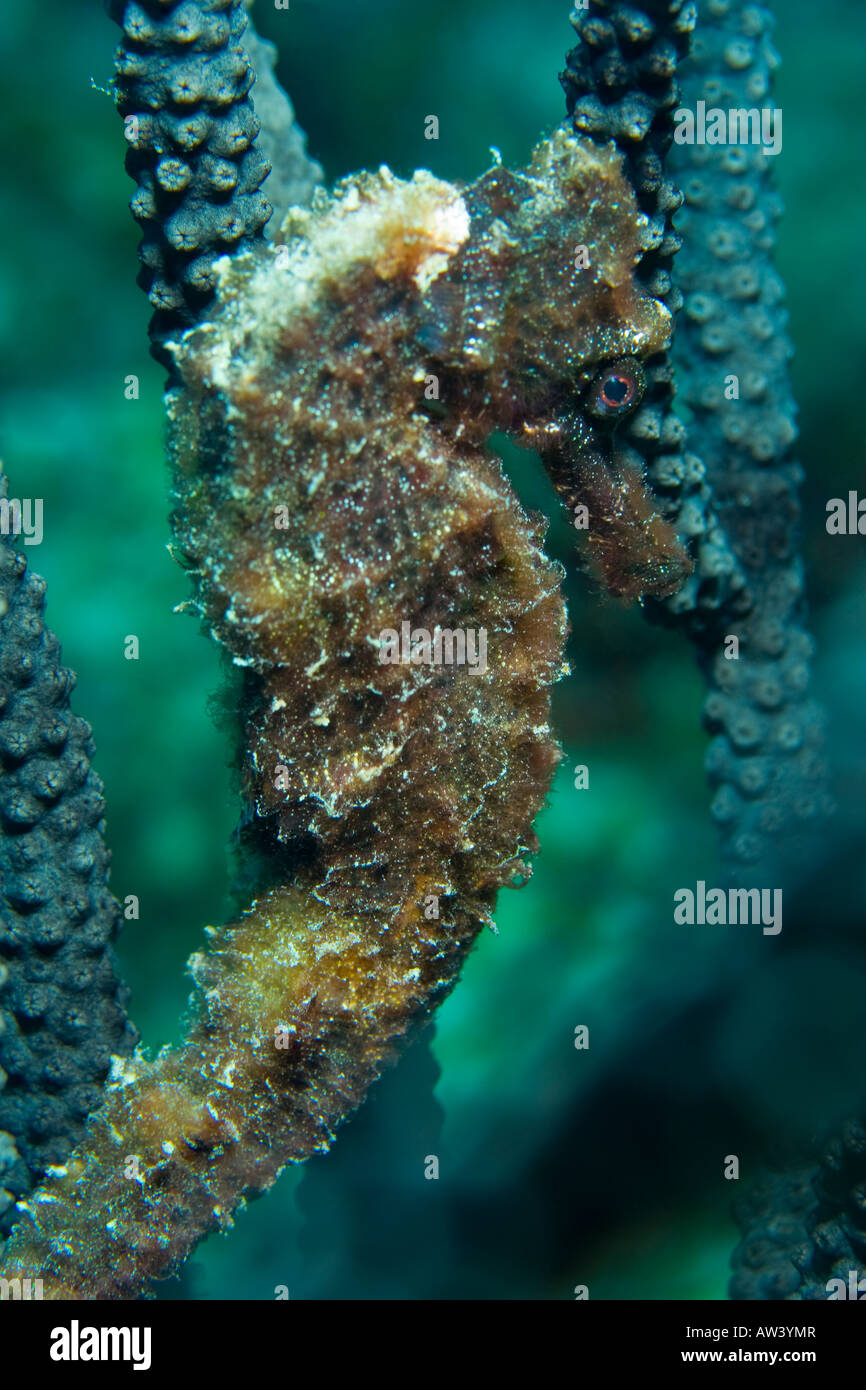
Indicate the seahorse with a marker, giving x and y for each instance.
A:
(328, 430)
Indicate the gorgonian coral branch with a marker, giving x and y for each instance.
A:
(732, 355)
(632, 71)
(730, 359)
(622, 85)
(183, 88)
(804, 1229)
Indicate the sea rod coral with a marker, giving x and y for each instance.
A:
(730, 358)
(736, 494)
(332, 389)
(805, 1227)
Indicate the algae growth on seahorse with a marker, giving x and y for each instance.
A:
(325, 495)
(322, 496)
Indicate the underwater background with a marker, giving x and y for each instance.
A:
(557, 1166)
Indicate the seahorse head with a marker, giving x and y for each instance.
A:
(542, 328)
(542, 291)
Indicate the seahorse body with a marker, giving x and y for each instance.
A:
(322, 500)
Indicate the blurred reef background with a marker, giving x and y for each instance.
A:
(558, 1167)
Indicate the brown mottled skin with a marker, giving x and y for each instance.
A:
(324, 494)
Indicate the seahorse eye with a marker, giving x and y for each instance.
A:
(617, 389)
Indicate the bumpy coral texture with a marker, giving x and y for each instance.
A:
(621, 85)
(805, 1226)
(766, 761)
(184, 76)
(738, 503)
(61, 1007)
